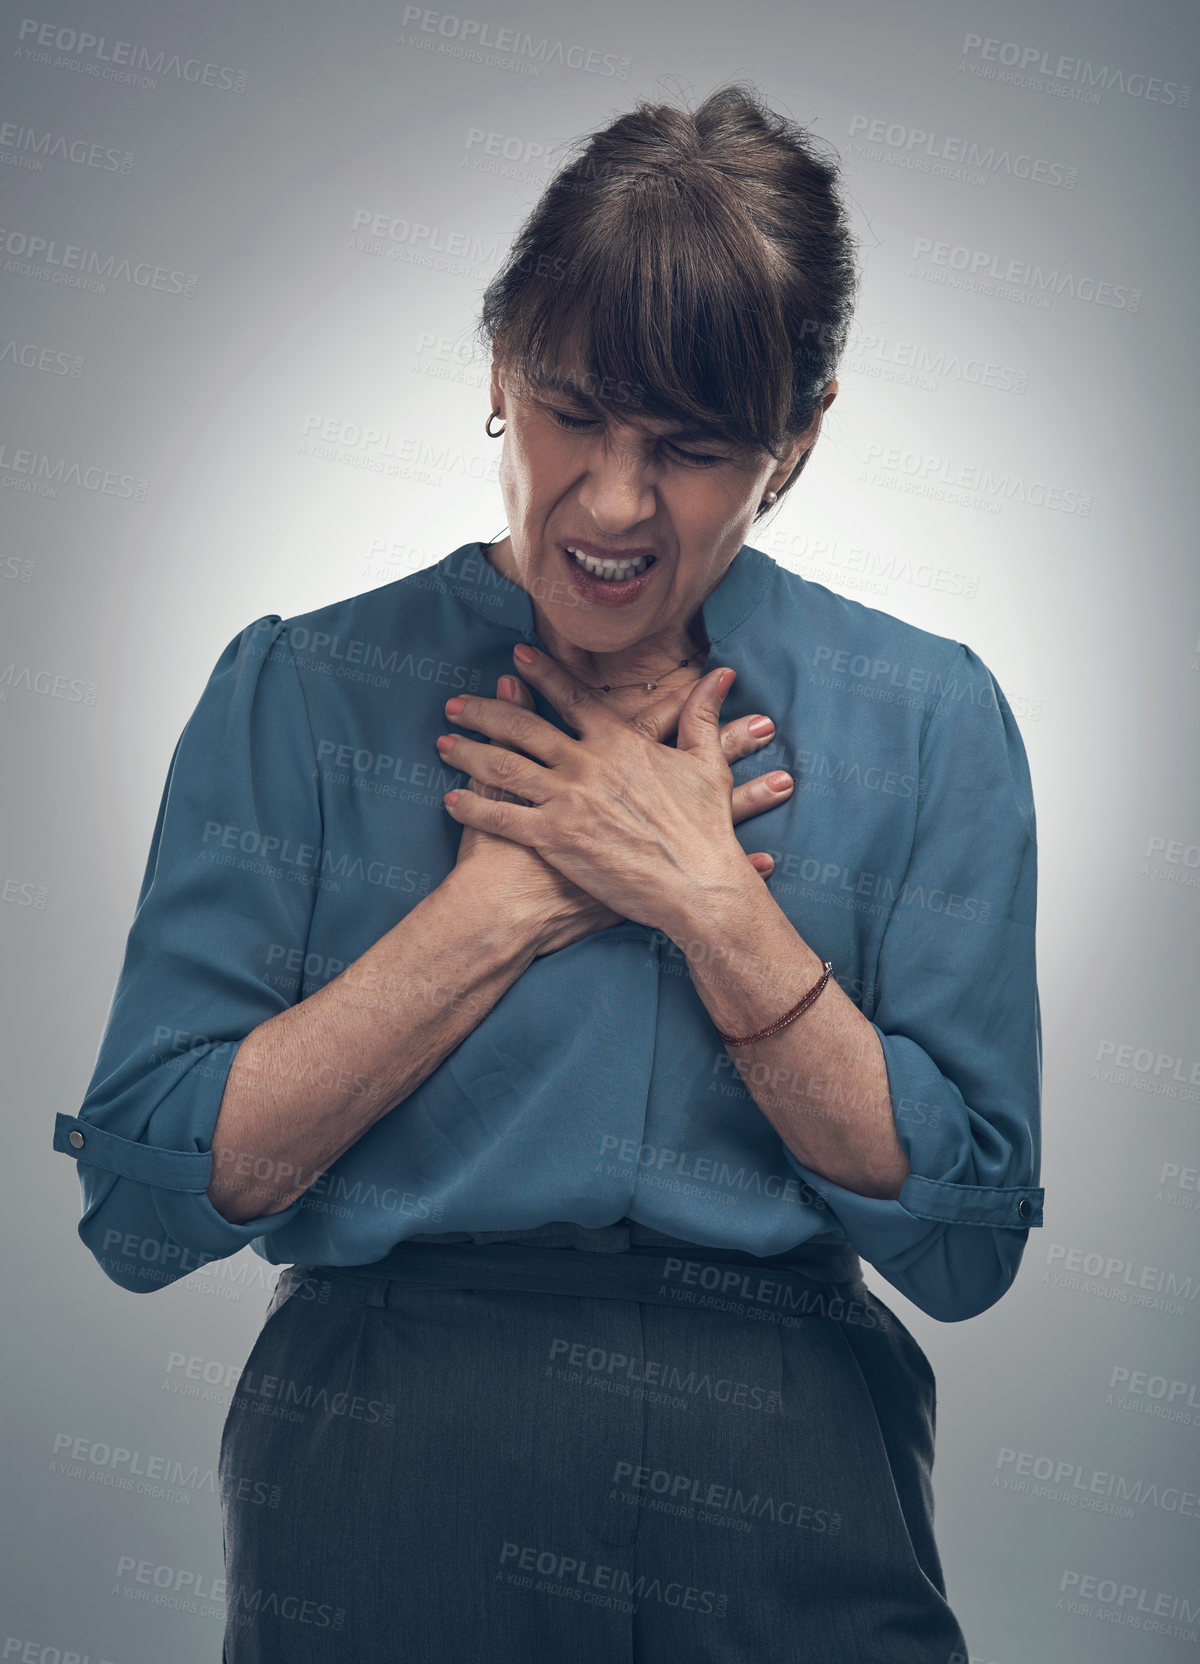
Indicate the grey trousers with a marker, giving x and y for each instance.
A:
(583, 1447)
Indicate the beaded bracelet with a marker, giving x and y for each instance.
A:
(790, 1017)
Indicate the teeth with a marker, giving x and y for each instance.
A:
(612, 571)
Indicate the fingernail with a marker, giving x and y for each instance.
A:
(525, 653)
(761, 725)
(504, 687)
(779, 782)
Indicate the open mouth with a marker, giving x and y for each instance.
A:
(621, 578)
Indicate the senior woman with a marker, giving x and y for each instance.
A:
(568, 1110)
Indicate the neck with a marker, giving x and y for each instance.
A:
(648, 660)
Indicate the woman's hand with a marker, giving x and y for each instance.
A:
(633, 823)
(571, 912)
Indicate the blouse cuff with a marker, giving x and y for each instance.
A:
(174, 1159)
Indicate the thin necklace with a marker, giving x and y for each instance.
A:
(614, 687)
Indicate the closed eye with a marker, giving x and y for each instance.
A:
(696, 458)
(569, 422)
(575, 424)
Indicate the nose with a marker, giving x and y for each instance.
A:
(618, 490)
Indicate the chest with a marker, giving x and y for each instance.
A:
(840, 841)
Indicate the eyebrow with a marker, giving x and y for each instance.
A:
(568, 387)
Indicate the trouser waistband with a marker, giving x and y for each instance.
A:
(804, 1281)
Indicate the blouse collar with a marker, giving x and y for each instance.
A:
(468, 574)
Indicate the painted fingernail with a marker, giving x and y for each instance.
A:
(779, 782)
(453, 706)
(525, 653)
(445, 742)
(450, 799)
(760, 726)
(505, 688)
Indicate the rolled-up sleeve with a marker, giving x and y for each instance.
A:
(957, 1014)
(225, 904)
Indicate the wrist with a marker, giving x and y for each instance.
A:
(505, 926)
(714, 907)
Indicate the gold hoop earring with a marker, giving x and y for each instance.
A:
(487, 426)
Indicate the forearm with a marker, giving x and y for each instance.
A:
(821, 1080)
(309, 1082)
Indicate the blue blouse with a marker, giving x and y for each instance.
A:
(302, 818)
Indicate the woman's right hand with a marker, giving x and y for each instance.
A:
(504, 869)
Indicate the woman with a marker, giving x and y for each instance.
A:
(570, 1120)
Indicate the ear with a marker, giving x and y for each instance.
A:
(497, 383)
(797, 455)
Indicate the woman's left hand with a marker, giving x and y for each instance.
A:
(642, 826)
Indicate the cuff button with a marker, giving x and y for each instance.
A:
(75, 1137)
(1024, 1207)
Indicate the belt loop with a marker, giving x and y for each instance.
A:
(377, 1291)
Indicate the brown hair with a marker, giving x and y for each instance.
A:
(700, 262)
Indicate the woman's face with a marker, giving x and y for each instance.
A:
(622, 486)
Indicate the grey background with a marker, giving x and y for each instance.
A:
(1088, 612)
